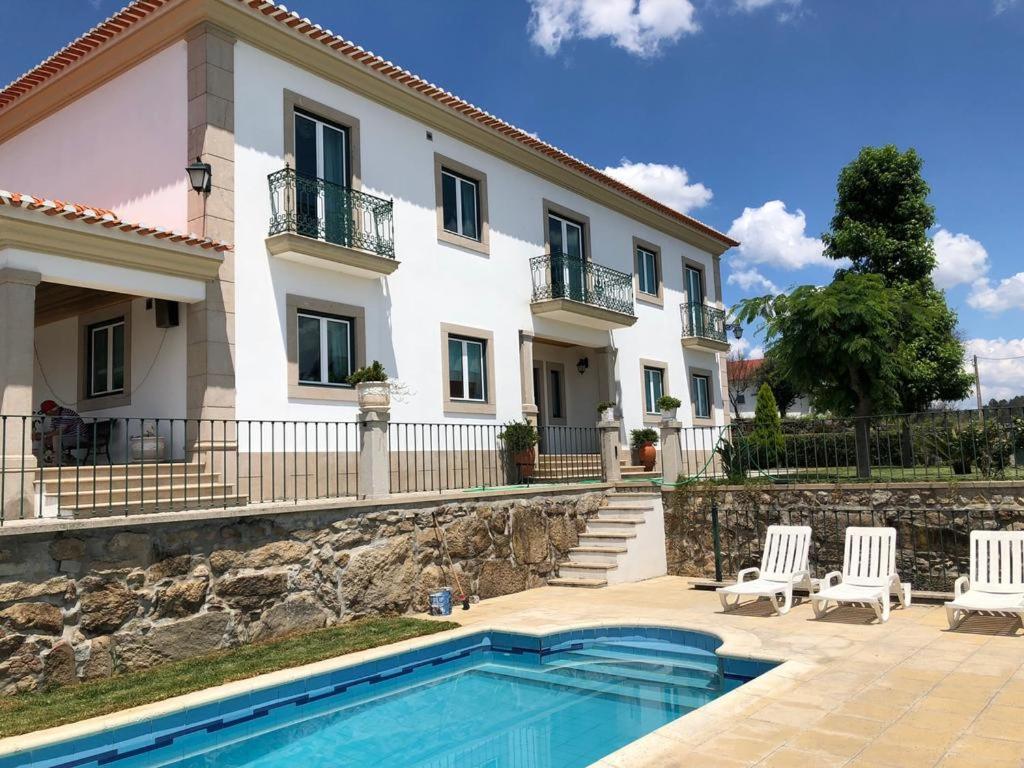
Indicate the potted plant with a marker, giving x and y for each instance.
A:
(606, 410)
(372, 388)
(642, 442)
(520, 439)
(668, 405)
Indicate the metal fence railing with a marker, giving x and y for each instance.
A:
(569, 454)
(932, 545)
(935, 445)
(702, 321)
(562, 276)
(442, 457)
(64, 465)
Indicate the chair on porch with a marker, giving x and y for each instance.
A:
(94, 440)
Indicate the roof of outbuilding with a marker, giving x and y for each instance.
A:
(137, 11)
(86, 214)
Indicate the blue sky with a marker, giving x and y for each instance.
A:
(740, 112)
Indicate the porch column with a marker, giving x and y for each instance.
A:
(17, 334)
(671, 450)
(611, 467)
(606, 383)
(211, 322)
(526, 377)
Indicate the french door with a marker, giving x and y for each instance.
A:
(565, 238)
(321, 152)
(695, 296)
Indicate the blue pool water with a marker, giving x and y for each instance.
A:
(490, 700)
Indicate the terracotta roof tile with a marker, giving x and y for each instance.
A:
(140, 9)
(89, 214)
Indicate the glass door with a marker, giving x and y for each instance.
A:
(565, 239)
(695, 295)
(321, 189)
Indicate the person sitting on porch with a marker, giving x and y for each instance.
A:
(66, 432)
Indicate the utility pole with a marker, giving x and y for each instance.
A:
(977, 383)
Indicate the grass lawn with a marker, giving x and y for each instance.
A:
(45, 709)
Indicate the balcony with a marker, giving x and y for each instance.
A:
(575, 290)
(317, 222)
(703, 327)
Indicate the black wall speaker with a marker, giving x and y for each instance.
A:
(166, 313)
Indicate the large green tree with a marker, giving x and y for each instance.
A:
(880, 337)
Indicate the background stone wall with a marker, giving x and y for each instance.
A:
(933, 523)
(90, 602)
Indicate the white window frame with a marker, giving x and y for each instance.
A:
(649, 389)
(643, 254)
(324, 358)
(459, 181)
(706, 380)
(465, 342)
(107, 326)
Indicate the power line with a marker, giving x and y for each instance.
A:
(997, 359)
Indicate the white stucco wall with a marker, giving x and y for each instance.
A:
(436, 282)
(121, 147)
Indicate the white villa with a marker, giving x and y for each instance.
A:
(354, 212)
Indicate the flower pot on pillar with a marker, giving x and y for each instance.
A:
(374, 395)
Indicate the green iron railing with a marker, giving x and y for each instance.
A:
(313, 207)
(560, 276)
(703, 322)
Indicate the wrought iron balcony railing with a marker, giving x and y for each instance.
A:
(313, 207)
(560, 276)
(703, 322)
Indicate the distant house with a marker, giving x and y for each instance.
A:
(745, 379)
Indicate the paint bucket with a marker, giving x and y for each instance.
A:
(441, 602)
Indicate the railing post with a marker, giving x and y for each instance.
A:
(611, 468)
(671, 450)
(374, 457)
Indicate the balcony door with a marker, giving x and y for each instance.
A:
(695, 296)
(321, 189)
(565, 239)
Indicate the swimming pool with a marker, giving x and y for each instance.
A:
(486, 700)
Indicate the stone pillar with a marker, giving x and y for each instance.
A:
(607, 386)
(17, 334)
(210, 325)
(526, 377)
(374, 458)
(611, 467)
(671, 450)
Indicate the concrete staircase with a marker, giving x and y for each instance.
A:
(553, 467)
(625, 542)
(119, 489)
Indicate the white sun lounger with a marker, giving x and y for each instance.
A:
(869, 574)
(996, 582)
(783, 566)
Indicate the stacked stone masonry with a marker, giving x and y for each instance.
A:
(90, 602)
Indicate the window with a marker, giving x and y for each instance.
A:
(461, 211)
(647, 271)
(467, 369)
(461, 199)
(467, 379)
(654, 388)
(325, 349)
(106, 358)
(701, 394)
(321, 152)
(326, 342)
(556, 393)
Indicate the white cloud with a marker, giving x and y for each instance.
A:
(787, 8)
(668, 184)
(745, 349)
(638, 26)
(1006, 294)
(960, 259)
(750, 280)
(1003, 5)
(772, 235)
(1000, 379)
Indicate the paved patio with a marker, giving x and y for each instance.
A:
(852, 693)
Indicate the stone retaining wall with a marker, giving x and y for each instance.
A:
(933, 522)
(95, 600)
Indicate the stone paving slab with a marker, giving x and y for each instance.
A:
(851, 692)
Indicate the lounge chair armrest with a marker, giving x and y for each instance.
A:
(831, 579)
(960, 586)
(800, 577)
(742, 575)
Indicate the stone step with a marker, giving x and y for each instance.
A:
(559, 581)
(68, 497)
(177, 504)
(120, 470)
(613, 524)
(595, 554)
(86, 484)
(581, 570)
(599, 538)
